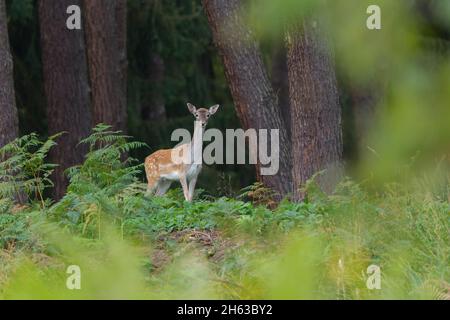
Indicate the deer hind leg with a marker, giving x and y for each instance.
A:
(162, 187)
(152, 184)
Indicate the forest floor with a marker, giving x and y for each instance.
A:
(232, 254)
(209, 242)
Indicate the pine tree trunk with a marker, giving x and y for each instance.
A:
(9, 122)
(153, 104)
(315, 110)
(280, 83)
(105, 22)
(363, 104)
(66, 86)
(253, 96)
(121, 21)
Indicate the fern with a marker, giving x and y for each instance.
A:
(23, 169)
(102, 184)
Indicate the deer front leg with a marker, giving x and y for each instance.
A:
(184, 185)
(192, 187)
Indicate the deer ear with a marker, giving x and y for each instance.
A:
(191, 108)
(213, 109)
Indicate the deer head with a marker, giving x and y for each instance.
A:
(201, 114)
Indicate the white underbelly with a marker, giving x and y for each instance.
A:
(173, 176)
(192, 171)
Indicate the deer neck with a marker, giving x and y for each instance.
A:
(197, 144)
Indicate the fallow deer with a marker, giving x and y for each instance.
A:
(162, 169)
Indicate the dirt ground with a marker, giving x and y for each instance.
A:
(210, 242)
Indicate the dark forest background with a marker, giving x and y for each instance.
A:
(171, 61)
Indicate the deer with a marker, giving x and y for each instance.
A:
(162, 168)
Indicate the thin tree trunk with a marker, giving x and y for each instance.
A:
(9, 122)
(363, 104)
(121, 21)
(153, 106)
(105, 22)
(315, 109)
(66, 86)
(253, 96)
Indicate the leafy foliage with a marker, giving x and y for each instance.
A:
(315, 249)
(24, 170)
(100, 184)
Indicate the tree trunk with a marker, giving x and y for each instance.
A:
(253, 96)
(280, 83)
(9, 122)
(121, 21)
(66, 86)
(315, 109)
(105, 22)
(363, 106)
(153, 106)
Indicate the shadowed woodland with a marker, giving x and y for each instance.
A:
(364, 139)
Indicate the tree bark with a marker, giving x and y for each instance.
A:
(280, 83)
(9, 122)
(66, 86)
(153, 106)
(253, 95)
(105, 22)
(121, 21)
(363, 106)
(315, 109)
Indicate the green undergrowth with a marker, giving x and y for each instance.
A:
(131, 245)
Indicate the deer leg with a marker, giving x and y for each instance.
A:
(192, 188)
(151, 185)
(163, 186)
(184, 185)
